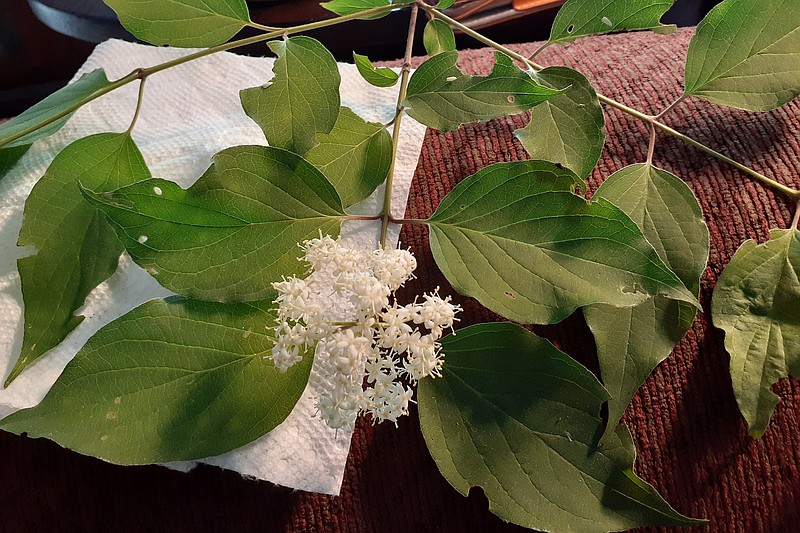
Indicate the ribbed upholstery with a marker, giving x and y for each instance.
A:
(692, 443)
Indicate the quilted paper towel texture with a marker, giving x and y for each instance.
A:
(189, 113)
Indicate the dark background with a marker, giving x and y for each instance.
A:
(37, 58)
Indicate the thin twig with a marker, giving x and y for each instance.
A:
(539, 51)
(386, 212)
(258, 26)
(670, 107)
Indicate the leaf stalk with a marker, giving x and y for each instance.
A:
(386, 212)
(138, 105)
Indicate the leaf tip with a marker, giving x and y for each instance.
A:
(19, 366)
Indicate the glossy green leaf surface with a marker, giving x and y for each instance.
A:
(49, 108)
(579, 18)
(349, 7)
(746, 54)
(355, 156)
(442, 97)
(172, 380)
(568, 128)
(517, 239)
(438, 37)
(632, 341)
(301, 100)
(183, 23)
(757, 303)
(379, 77)
(520, 419)
(76, 249)
(233, 232)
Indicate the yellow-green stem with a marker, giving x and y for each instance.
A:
(138, 105)
(653, 121)
(386, 212)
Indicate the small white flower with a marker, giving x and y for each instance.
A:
(346, 309)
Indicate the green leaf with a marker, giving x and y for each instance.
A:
(517, 417)
(50, 108)
(349, 7)
(10, 156)
(668, 213)
(438, 37)
(355, 156)
(184, 23)
(579, 18)
(233, 232)
(442, 97)
(746, 55)
(444, 4)
(568, 128)
(517, 239)
(757, 304)
(173, 380)
(379, 77)
(76, 249)
(301, 100)
(631, 342)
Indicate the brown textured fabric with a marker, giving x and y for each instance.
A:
(692, 442)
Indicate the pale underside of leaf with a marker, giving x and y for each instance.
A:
(580, 18)
(631, 342)
(173, 380)
(379, 77)
(349, 7)
(757, 303)
(567, 129)
(514, 237)
(183, 23)
(746, 55)
(442, 97)
(438, 37)
(517, 417)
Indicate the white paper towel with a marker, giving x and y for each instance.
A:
(189, 113)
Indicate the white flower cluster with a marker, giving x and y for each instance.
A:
(370, 336)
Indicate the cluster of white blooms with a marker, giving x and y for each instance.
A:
(366, 335)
